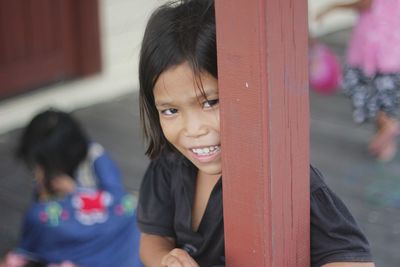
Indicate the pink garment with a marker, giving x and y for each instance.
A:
(375, 42)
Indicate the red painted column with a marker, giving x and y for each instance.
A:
(263, 81)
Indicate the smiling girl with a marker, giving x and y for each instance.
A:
(180, 207)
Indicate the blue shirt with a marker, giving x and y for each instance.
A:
(93, 227)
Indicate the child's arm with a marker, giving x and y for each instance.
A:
(158, 251)
(349, 264)
(106, 171)
(357, 5)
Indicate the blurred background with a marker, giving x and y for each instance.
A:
(81, 56)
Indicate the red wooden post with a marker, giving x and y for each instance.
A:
(263, 80)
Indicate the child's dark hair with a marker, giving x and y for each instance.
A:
(177, 32)
(55, 142)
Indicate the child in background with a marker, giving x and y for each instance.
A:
(69, 224)
(180, 205)
(372, 75)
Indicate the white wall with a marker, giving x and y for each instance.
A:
(335, 21)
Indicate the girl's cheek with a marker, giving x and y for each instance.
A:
(168, 129)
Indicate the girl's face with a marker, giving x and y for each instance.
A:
(190, 121)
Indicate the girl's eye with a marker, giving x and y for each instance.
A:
(210, 103)
(169, 111)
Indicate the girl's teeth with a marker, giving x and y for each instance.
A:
(206, 150)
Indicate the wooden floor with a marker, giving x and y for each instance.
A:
(338, 148)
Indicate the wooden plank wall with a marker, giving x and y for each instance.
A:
(47, 41)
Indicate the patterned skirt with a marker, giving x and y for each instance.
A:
(369, 95)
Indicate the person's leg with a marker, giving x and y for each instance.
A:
(383, 145)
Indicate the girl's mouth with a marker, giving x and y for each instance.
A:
(206, 151)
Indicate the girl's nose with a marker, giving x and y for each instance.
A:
(195, 125)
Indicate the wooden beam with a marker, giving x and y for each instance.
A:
(263, 81)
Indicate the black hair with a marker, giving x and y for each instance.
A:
(177, 32)
(55, 142)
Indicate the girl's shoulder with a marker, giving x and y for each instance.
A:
(385, 9)
(316, 179)
(335, 235)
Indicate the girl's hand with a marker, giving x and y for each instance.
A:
(63, 264)
(13, 260)
(178, 258)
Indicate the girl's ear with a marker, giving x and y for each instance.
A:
(39, 175)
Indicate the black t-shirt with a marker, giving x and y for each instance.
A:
(165, 207)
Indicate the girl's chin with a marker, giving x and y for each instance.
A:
(214, 168)
(210, 164)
